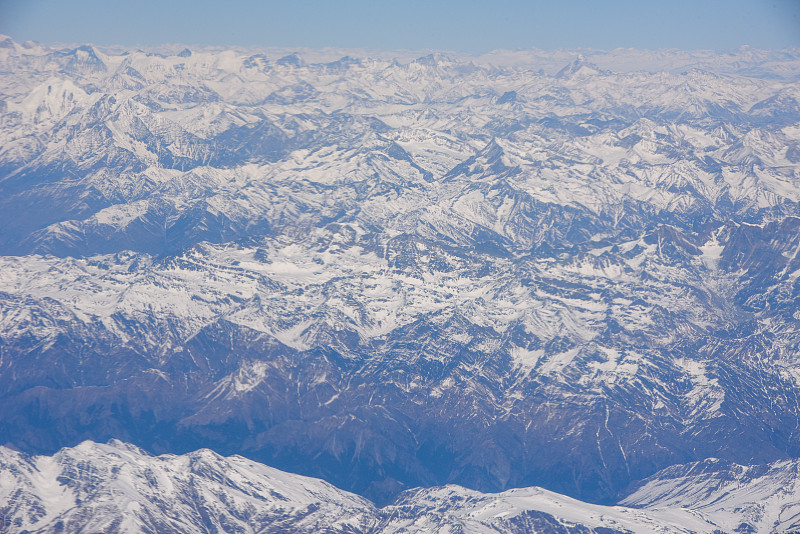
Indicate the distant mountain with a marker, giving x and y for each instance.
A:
(526, 269)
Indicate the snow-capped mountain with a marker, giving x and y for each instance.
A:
(118, 488)
(526, 510)
(737, 498)
(524, 269)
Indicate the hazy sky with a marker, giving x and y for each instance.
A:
(465, 25)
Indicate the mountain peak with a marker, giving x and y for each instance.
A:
(580, 66)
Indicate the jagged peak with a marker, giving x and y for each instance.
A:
(291, 60)
(433, 59)
(580, 65)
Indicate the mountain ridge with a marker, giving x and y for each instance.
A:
(117, 487)
(390, 273)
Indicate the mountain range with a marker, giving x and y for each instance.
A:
(117, 488)
(558, 270)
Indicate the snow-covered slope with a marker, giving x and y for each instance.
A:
(118, 488)
(526, 269)
(738, 498)
(527, 510)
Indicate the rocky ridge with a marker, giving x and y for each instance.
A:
(393, 273)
